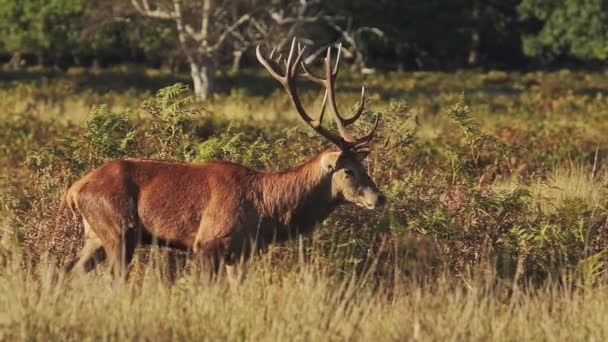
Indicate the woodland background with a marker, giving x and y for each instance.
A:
(383, 34)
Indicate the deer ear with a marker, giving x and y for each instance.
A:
(329, 161)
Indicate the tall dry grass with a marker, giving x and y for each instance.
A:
(578, 183)
(301, 303)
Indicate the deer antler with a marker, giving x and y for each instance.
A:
(345, 140)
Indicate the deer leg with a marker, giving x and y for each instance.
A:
(119, 246)
(232, 275)
(91, 254)
(235, 272)
(209, 259)
(120, 231)
(236, 265)
(120, 253)
(211, 255)
(114, 251)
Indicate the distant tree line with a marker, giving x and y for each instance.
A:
(204, 35)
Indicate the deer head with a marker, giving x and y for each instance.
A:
(344, 163)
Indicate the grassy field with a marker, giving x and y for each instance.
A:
(496, 225)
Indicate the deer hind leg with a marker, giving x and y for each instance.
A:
(120, 249)
(116, 257)
(91, 254)
(116, 227)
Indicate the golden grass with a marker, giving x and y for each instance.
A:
(565, 183)
(300, 304)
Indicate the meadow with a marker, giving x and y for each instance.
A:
(496, 225)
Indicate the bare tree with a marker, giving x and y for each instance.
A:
(206, 29)
(277, 25)
(352, 37)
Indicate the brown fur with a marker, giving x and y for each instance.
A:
(221, 210)
(218, 209)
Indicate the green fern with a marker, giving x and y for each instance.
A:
(172, 128)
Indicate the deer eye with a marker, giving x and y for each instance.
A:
(348, 172)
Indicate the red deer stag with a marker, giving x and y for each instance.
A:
(218, 209)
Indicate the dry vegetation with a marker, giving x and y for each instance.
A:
(496, 227)
(300, 304)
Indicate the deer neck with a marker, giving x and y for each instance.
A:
(297, 198)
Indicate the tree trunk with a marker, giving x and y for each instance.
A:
(474, 50)
(203, 77)
(475, 35)
(237, 55)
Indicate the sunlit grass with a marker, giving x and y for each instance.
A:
(303, 303)
(567, 183)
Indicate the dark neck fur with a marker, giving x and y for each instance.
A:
(298, 198)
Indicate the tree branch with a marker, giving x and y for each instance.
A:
(181, 31)
(144, 9)
(281, 20)
(206, 15)
(351, 38)
(227, 32)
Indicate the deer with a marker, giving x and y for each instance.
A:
(218, 210)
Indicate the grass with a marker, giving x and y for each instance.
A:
(300, 304)
(575, 182)
(496, 226)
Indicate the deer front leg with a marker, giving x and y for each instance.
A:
(232, 275)
(211, 255)
(236, 261)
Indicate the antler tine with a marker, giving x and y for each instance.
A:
(365, 141)
(341, 122)
(286, 79)
(294, 60)
(330, 77)
(311, 75)
(359, 110)
(270, 67)
(290, 60)
(337, 66)
(322, 110)
(298, 61)
(318, 79)
(330, 80)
